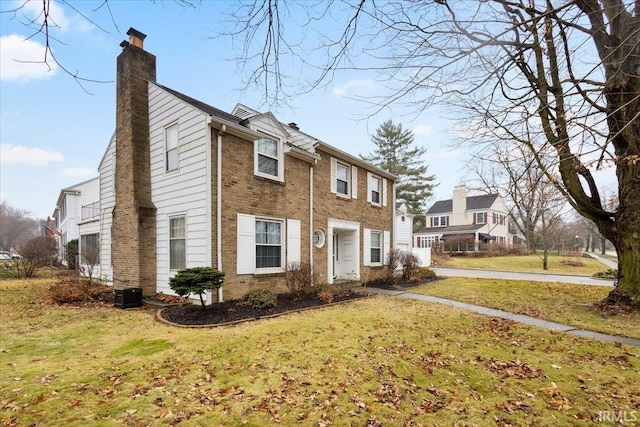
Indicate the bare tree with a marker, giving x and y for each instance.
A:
(36, 253)
(16, 227)
(564, 71)
(89, 255)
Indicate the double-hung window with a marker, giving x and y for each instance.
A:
(480, 218)
(440, 221)
(177, 243)
(375, 189)
(269, 161)
(342, 179)
(90, 249)
(376, 247)
(171, 147)
(268, 244)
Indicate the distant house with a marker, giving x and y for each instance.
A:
(77, 215)
(464, 222)
(404, 227)
(184, 184)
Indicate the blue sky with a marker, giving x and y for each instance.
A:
(54, 132)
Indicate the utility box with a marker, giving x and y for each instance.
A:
(128, 297)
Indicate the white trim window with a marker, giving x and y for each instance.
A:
(177, 243)
(439, 221)
(268, 244)
(479, 218)
(344, 179)
(263, 242)
(171, 148)
(90, 249)
(376, 248)
(375, 189)
(268, 159)
(377, 245)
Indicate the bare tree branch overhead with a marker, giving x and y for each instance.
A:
(548, 75)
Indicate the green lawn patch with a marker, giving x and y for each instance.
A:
(558, 302)
(530, 263)
(377, 361)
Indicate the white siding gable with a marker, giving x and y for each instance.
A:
(186, 190)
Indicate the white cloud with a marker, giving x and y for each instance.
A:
(354, 87)
(34, 10)
(423, 130)
(17, 154)
(77, 172)
(22, 59)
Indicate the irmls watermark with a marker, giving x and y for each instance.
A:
(618, 416)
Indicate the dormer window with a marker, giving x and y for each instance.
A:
(268, 159)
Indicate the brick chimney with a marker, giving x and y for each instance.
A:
(134, 214)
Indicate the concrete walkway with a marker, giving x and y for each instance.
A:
(511, 316)
(609, 263)
(514, 275)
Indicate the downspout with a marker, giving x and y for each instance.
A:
(219, 205)
(394, 239)
(311, 218)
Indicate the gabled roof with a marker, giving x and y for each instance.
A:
(484, 201)
(213, 111)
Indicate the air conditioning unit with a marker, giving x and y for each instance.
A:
(128, 297)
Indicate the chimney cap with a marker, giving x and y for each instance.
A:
(294, 125)
(136, 38)
(133, 32)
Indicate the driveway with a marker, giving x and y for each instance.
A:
(512, 275)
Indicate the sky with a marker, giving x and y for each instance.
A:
(54, 129)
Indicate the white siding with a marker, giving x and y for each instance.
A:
(107, 203)
(184, 191)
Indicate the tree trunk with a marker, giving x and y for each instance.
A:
(545, 259)
(627, 245)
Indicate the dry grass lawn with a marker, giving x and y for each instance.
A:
(529, 263)
(380, 361)
(558, 302)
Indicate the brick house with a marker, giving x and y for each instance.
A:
(464, 222)
(184, 184)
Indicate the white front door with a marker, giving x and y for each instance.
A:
(344, 251)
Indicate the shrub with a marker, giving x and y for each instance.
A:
(299, 277)
(196, 280)
(326, 296)
(427, 274)
(609, 273)
(410, 264)
(71, 253)
(260, 298)
(394, 260)
(36, 253)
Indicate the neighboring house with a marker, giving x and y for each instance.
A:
(184, 184)
(464, 222)
(77, 216)
(404, 227)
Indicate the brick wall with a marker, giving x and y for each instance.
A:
(134, 221)
(242, 192)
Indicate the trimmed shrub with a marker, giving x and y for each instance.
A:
(71, 253)
(196, 280)
(427, 274)
(260, 298)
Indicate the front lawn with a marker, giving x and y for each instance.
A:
(529, 263)
(380, 361)
(558, 302)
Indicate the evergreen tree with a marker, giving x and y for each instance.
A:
(396, 154)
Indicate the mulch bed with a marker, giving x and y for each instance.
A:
(397, 283)
(233, 311)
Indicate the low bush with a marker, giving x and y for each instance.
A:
(609, 273)
(326, 296)
(427, 274)
(196, 280)
(260, 298)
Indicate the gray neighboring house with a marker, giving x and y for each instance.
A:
(465, 221)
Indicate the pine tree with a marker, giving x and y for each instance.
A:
(396, 154)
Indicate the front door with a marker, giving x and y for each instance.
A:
(337, 264)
